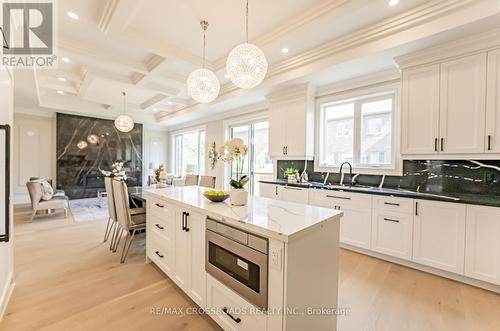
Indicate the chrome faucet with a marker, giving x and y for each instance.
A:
(342, 172)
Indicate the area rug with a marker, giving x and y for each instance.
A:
(91, 209)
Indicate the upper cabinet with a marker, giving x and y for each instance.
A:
(420, 116)
(450, 103)
(462, 108)
(493, 103)
(291, 123)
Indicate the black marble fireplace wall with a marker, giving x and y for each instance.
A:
(87, 145)
(463, 176)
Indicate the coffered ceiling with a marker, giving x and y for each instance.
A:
(148, 48)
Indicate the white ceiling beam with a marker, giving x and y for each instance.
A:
(118, 14)
(148, 42)
(87, 80)
(153, 101)
(87, 54)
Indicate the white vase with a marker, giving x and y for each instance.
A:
(238, 197)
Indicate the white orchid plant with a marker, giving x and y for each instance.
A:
(234, 152)
(117, 171)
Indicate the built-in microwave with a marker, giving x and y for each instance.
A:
(239, 260)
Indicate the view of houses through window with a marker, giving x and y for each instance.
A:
(358, 130)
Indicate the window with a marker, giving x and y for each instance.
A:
(189, 152)
(358, 130)
(257, 163)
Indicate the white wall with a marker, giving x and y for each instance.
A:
(6, 249)
(214, 132)
(34, 151)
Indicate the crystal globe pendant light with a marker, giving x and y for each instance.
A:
(124, 123)
(202, 84)
(246, 65)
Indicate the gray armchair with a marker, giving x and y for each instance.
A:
(58, 201)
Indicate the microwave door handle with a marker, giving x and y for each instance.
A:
(5, 237)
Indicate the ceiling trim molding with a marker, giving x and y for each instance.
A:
(370, 34)
(466, 46)
(292, 24)
(107, 15)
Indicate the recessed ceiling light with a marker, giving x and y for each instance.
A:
(155, 109)
(73, 15)
(284, 50)
(60, 92)
(170, 102)
(62, 79)
(226, 76)
(392, 3)
(65, 59)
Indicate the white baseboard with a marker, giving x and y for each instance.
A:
(6, 293)
(442, 273)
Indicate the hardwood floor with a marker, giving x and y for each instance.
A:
(66, 279)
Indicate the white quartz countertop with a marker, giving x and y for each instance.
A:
(272, 218)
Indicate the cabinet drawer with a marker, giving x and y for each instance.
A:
(160, 251)
(392, 204)
(158, 207)
(344, 200)
(231, 311)
(160, 226)
(392, 234)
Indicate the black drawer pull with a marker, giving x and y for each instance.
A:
(158, 205)
(237, 320)
(159, 226)
(292, 188)
(391, 220)
(336, 197)
(158, 253)
(391, 204)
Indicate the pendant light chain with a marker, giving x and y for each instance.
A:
(247, 20)
(204, 45)
(124, 103)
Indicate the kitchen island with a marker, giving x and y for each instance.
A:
(270, 265)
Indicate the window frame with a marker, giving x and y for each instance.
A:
(177, 155)
(367, 95)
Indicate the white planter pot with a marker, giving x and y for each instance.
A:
(238, 197)
(292, 179)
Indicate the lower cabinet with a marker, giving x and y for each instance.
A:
(293, 194)
(176, 243)
(482, 244)
(230, 310)
(439, 235)
(392, 227)
(268, 190)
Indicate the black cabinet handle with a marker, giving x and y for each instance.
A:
(237, 320)
(292, 188)
(391, 220)
(276, 190)
(337, 197)
(435, 144)
(159, 226)
(442, 144)
(183, 221)
(286, 150)
(158, 205)
(489, 143)
(283, 150)
(187, 224)
(5, 237)
(391, 204)
(158, 253)
(416, 208)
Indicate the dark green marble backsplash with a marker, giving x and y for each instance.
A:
(463, 176)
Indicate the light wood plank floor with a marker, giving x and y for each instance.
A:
(66, 279)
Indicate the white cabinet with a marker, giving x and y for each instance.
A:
(492, 142)
(463, 105)
(392, 227)
(291, 123)
(176, 243)
(482, 246)
(444, 107)
(420, 110)
(267, 190)
(356, 225)
(293, 194)
(190, 255)
(439, 235)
